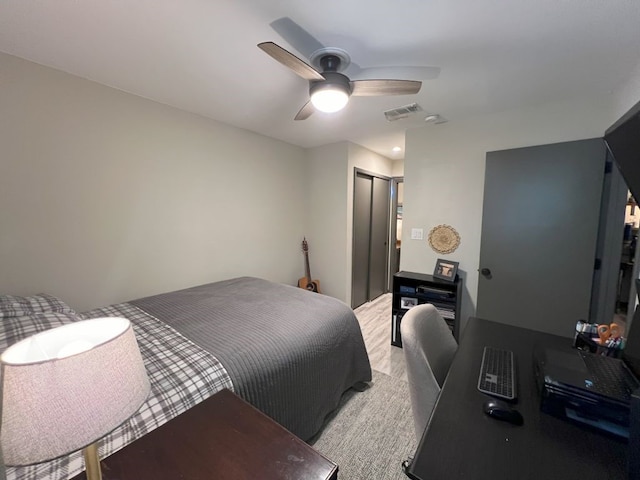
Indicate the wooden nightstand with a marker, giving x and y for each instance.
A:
(221, 438)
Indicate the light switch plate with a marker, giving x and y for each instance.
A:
(417, 234)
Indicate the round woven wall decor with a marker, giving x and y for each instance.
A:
(444, 239)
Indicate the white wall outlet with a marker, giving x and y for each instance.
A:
(417, 234)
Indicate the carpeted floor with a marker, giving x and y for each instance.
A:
(371, 432)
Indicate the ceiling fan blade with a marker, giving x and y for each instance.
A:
(289, 60)
(305, 112)
(296, 36)
(376, 88)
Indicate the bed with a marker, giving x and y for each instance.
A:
(289, 352)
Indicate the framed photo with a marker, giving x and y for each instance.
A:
(446, 270)
(408, 302)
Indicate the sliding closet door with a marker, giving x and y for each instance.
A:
(370, 237)
(361, 237)
(379, 247)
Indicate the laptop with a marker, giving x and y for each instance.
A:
(591, 389)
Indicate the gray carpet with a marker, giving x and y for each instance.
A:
(371, 432)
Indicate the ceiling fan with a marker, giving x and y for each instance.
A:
(329, 90)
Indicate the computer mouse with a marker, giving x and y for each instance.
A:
(501, 410)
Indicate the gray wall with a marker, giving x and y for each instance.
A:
(105, 196)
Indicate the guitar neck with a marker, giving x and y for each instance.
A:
(307, 269)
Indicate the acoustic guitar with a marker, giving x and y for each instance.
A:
(306, 282)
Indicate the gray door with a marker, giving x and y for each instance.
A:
(370, 237)
(363, 187)
(379, 249)
(539, 231)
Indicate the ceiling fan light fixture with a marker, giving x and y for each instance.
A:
(329, 90)
(330, 98)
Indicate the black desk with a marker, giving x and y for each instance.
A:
(462, 442)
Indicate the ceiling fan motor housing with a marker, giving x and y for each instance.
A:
(334, 81)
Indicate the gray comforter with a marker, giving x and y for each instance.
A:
(290, 352)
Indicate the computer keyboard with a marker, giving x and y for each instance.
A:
(498, 373)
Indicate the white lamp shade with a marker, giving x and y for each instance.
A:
(67, 387)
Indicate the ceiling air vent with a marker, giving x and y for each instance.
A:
(402, 112)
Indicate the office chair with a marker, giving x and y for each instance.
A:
(429, 348)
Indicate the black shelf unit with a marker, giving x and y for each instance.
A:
(410, 288)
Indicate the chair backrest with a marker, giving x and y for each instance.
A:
(429, 348)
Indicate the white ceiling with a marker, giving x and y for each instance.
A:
(201, 55)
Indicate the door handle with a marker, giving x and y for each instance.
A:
(486, 273)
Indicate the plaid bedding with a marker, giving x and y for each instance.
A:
(14, 329)
(15, 306)
(181, 375)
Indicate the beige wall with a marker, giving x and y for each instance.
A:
(106, 197)
(627, 95)
(327, 225)
(444, 174)
(397, 168)
(330, 190)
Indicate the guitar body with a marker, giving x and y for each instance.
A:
(306, 282)
(312, 286)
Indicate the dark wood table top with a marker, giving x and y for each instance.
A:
(462, 442)
(221, 438)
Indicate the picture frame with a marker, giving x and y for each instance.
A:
(446, 270)
(408, 302)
